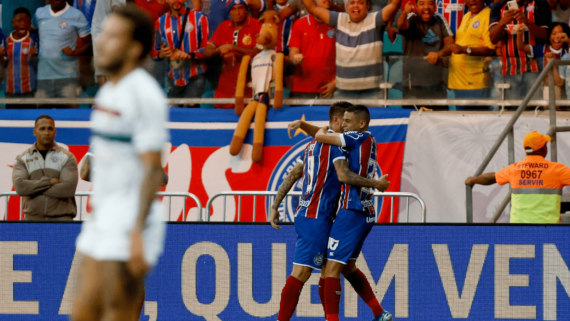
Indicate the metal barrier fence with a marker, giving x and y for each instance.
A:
(80, 195)
(307, 102)
(272, 194)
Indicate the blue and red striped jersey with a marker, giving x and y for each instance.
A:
(21, 72)
(321, 188)
(361, 150)
(167, 30)
(452, 11)
(515, 61)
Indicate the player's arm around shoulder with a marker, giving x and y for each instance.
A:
(324, 137)
(346, 176)
(311, 130)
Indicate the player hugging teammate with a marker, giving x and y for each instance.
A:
(342, 157)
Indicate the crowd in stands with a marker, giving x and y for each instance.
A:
(428, 49)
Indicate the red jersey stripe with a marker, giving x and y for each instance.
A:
(324, 160)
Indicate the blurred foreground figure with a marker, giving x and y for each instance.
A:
(125, 235)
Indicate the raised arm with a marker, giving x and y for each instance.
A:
(389, 11)
(497, 30)
(536, 30)
(346, 176)
(306, 127)
(255, 6)
(320, 13)
(285, 13)
(284, 188)
(328, 138)
(520, 40)
(403, 22)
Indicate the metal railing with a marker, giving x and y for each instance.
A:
(272, 194)
(307, 102)
(509, 132)
(80, 195)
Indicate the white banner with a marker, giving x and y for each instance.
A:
(443, 149)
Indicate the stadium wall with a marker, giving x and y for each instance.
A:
(443, 149)
(429, 154)
(198, 160)
(236, 272)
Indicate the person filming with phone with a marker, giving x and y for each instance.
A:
(519, 70)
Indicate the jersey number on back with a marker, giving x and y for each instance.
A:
(311, 171)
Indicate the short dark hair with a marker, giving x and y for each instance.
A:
(22, 10)
(43, 117)
(338, 108)
(361, 112)
(142, 26)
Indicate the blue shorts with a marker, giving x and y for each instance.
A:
(347, 236)
(312, 239)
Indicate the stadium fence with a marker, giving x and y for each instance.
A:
(269, 194)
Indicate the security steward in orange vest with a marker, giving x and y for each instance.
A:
(535, 182)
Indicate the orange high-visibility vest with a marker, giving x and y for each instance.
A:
(536, 189)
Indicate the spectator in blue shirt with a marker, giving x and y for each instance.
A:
(59, 27)
(87, 7)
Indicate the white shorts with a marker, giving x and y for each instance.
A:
(105, 244)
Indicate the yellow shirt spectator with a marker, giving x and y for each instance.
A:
(466, 71)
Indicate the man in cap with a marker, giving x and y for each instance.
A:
(234, 39)
(536, 183)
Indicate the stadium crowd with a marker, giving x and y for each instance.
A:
(428, 49)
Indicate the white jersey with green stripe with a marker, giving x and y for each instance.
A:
(129, 119)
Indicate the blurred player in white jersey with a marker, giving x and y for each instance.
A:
(125, 235)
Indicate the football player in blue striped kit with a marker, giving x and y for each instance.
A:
(356, 215)
(323, 167)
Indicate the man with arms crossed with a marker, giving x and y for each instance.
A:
(355, 217)
(125, 236)
(313, 220)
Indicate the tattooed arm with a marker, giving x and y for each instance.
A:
(346, 176)
(285, 187)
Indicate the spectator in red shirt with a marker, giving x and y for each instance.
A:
(232, 40)
(312, 50)
(154, 8)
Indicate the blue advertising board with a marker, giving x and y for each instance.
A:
(236, 272)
